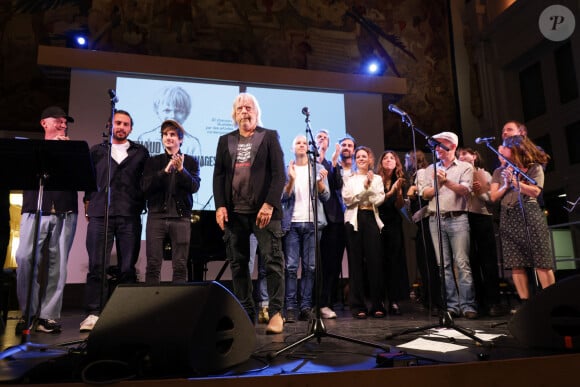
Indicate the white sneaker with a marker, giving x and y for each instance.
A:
(89, 323)
(326, 312)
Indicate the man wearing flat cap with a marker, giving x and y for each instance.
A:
(454, 180)
(169, 182)
(57, 228)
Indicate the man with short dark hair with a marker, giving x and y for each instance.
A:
(169, 182)
(333, 238)
(347, 146)
(125, 204)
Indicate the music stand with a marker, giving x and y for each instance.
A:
(43, 165)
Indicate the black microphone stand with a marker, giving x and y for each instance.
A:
(104, 258)
(445, 319)
(316, 326)
(517, 172)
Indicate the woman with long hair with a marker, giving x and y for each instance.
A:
(395, 271)
(524, 234)
(362, 193)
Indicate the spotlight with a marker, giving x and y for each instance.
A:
(77, 38)
(373, 66)
(81, 41)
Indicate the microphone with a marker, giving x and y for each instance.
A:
(395, 109)
(305, 111)
(113, 95)
(480, 140)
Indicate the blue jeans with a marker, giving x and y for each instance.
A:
(455, 241)
(237, 239)
(59, 230)
(299, 242)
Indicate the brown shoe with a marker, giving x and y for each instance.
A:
(276, 324)
(470, 315)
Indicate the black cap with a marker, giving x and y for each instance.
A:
(55, 112)
(175, 125)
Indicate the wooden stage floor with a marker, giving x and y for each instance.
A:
(321, 360)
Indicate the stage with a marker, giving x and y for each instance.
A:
(440, 358)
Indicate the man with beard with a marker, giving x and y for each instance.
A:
(347, 145)
(125, 202)
(332, 242)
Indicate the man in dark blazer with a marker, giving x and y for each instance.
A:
(248, 181)
(117, 203)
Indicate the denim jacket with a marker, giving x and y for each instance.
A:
(288, 202)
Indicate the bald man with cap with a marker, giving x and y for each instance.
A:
(58, 222)
(454, 180)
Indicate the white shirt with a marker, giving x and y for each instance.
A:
(119, 152)
(302, 208)
(354, 194)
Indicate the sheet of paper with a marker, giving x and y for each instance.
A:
(455, 334)
(431, 345)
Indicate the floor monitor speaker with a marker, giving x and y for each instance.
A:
(163, 330)
(551, 319)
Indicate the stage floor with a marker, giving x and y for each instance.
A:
(62, 358)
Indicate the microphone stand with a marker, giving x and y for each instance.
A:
(445, 319)
(106, 251)
(316, 326)
(25, 343)
(517, 172)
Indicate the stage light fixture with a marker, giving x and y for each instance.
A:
(373, 66)
(81, 41)
(77, 38)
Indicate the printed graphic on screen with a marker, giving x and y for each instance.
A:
(204, 111)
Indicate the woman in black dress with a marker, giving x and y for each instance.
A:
(394, 260)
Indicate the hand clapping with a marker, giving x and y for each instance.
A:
(176, 163)
(508, 177)
(368, 182)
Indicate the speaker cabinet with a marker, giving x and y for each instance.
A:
(165, 330)
(552, 318)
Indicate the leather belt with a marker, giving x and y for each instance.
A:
(368, 208)
(450, 214)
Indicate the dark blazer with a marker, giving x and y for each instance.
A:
(334, 207)
(267, 174)
(126, 196)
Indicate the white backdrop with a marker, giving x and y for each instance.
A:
(360, 114)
